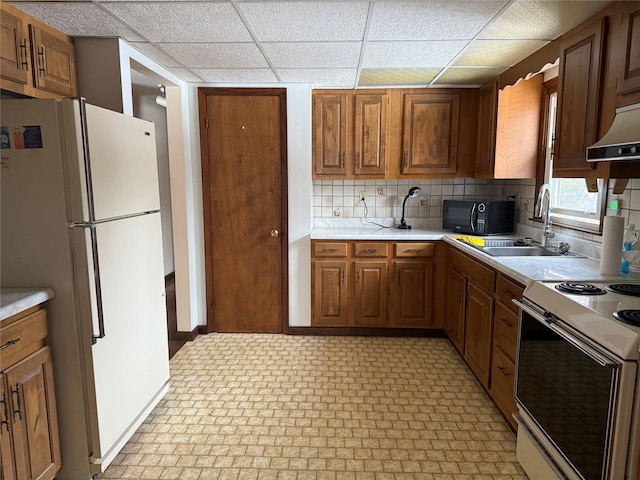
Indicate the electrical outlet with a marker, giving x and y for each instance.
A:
(380, 190)
(363, 196)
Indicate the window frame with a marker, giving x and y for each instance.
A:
(558, 218)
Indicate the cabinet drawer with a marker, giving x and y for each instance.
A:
(502, 384)
(367, 249)
(22, 337)
(507, 290)
(479, 274)
(329, 249)
(413, 250)
(505, 330)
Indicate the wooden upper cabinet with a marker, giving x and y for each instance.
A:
(579, 96)
(629, 80)
(330, 134)
(430, 137)
(14, 49)
(37, 60)
(54, 68)
(487, 118)
(349, 134)
(370, 146)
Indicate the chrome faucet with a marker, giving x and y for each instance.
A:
(542, 210)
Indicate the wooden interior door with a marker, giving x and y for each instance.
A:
(243, 142)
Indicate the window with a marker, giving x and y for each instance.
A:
(572, 204)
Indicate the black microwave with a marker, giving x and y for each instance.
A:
(478, 218)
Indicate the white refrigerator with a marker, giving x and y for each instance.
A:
(80, 214)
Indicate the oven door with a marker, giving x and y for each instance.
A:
(568, 388)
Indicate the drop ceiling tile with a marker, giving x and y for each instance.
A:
(411, 54)
(186, 75)
(313, 54)
(79, 19)
(468, 76)
(156, 54)
(183, 21)
(322, 77)
(371, 77)
(217, 55)
(504, 53)
(235, 75)
(540, 19)
(432, 20)
(306, 21)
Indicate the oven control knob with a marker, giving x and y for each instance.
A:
(481, 207)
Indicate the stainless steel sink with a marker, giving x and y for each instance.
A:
(525, 251)
(511, 248)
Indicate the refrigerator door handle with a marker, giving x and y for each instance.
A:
(99, 308)
(87, 159)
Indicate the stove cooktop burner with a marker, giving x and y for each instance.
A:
(632, 289)
(632, 317)
(579, 288)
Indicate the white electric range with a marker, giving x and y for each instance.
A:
(577, 380)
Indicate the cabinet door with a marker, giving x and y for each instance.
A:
(370, 293)
(35, 421)
(7, 466)
(370, 146)
(456, 304)
(579, 87)
(412, 293)
(14, 55)
(430, 140)
(329, 293)
(54, 68)
(477, 344)
(330, 134)
(630, 69)
(487, 117)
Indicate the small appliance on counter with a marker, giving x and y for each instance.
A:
(478, 217)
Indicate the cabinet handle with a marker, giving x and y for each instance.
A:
(370, 250)
(16, 392)
(406, 159)
(342, 161)
(5, 420)
(415, 250)
(358, 159)
(9, 343)
(509, 294)
(503, 371)
(328, 250)
(43, 60)
(460, 296)
(24, 54)
(357, 277)
(506, 322)
(342, 276)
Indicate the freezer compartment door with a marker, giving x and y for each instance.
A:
(129, 366)
(121, 175)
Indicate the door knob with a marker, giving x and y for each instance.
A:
(274, 233)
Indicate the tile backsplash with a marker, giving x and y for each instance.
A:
(339, 200)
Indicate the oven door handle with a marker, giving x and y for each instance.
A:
(573, 340)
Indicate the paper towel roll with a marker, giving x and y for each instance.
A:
(612, 237)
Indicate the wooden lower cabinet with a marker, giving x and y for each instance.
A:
(478, 325)
(482, 323)
(372, 284)
(29, 440)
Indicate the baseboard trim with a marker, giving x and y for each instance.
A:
(368, 332)
(187, 336)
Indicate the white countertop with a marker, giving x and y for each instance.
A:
(16, 300)
(521, 269)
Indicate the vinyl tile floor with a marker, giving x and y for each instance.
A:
(246, 406)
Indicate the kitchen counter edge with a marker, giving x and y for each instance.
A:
(16, 300)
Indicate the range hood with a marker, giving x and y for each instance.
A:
(622, 140)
